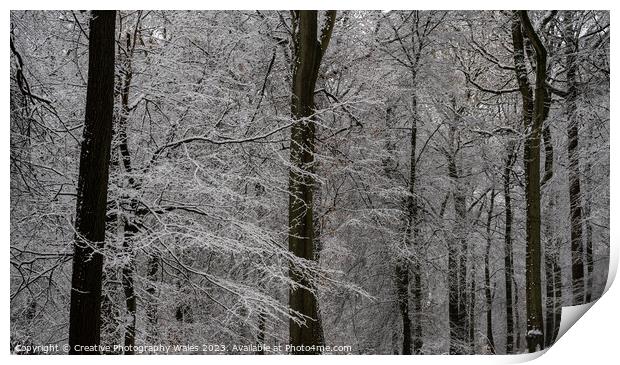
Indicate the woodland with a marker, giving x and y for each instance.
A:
(306, 182)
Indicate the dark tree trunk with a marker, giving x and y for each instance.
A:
(151, 300)
(557, 293)
(318, 247)
(553, 276)
(553, 302)
(457, 259)
(412, 231)
(308, 54)
(487, 276)
(404, 269)
(508, 266)
(517, 317)
(417, 309)
(92, 191)
(472, 313)
(131, 217)
(574, 189)
(533, 118)
(128, 288)
(553, 287)
(402, 293)
(588, 216)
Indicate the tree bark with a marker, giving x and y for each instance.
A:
(533, 118)
(151, 301)
(588, 216)
(487, 276)
(574, 190)
(308, 54)
(402, 293)
(553, 277)
(130, 227)
(471, 321)
(457, 281)
(406, 271)
(92, 191)
(413, 227)
(553, 288)
(508, 256)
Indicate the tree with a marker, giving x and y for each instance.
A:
(574, 189)
(533, 119)
(308, 52)
(84, 320)
(509, 161)
(487, 275)
(407, 44)
(457, 251)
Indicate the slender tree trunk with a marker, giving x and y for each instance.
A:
(534, 114)
(453, 302)
(262, 320)
(487, 276)
(517, 317)
(318, 249)
(402, 293)
(457, 267)
(417, 307)
(406, 271)
(413, 227)
(552, 302)
(151, 300)
(129, 289)
(508, 266)
(588, 213)
(92, 191)
(130, 226)
(553, 278)
(307, 59)
(574, 190)
(109, 316)
(557, 292)
(472, 313)
(402, 266)
(588, 216)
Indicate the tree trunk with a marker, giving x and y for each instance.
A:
(552, 302)
(517, 317)
(402, 293)
(508, 266)
(574, 190)
(553, 278)
(457, 312)
(413, 227)
(533, 118)
(557, 293)
(588, 216)
(128, 288)
(92, 191)
(151, 300)
(406, 271)
(487, 276)
(130, 227)
(318, 248)
(307, 59)
(472, 313)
